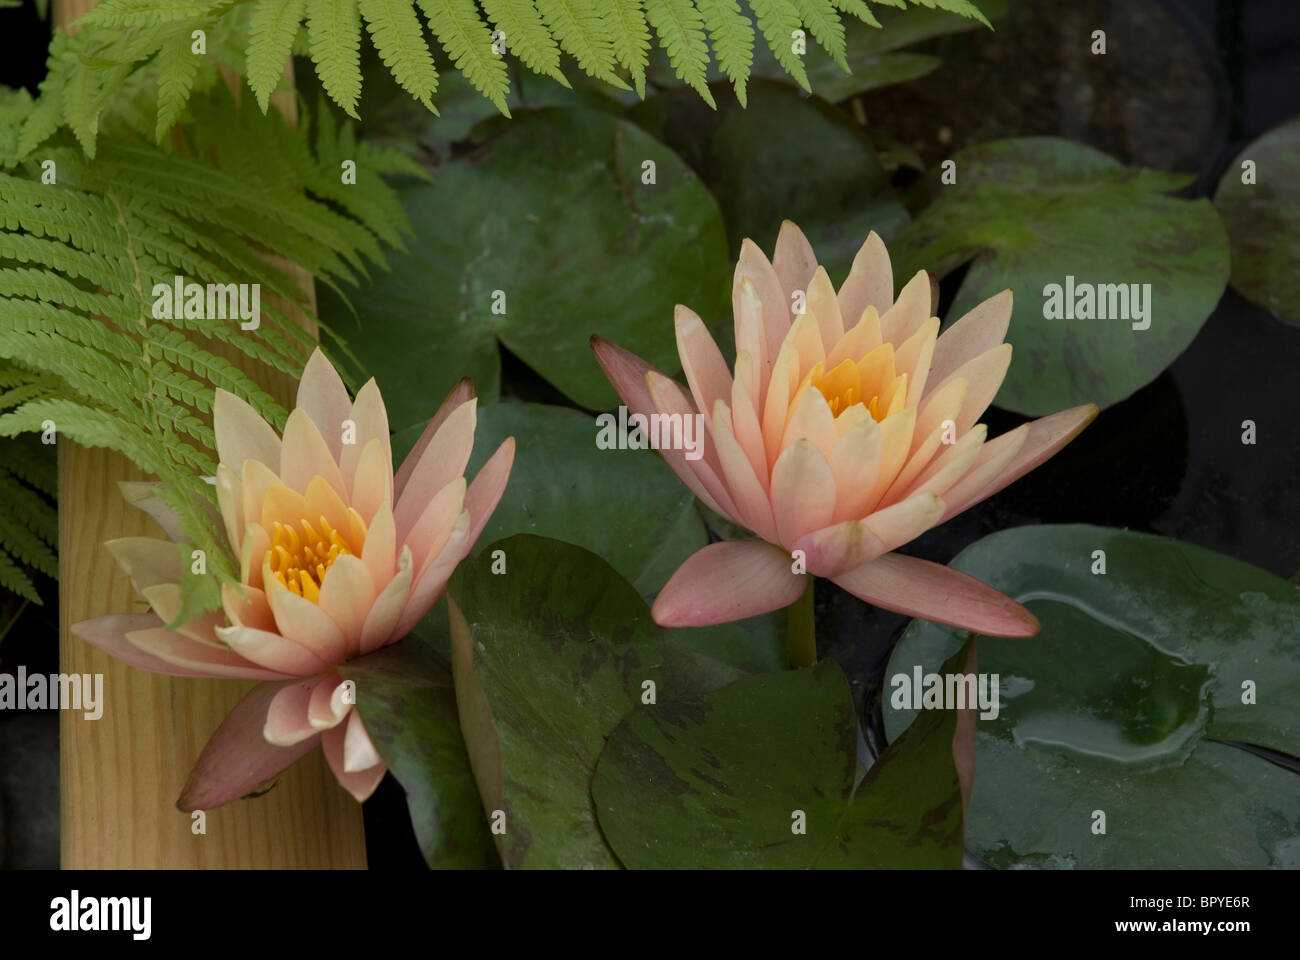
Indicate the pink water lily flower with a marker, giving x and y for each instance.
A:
(841, 433)
(338, 558)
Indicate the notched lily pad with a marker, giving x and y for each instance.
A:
(1263, 220)
(761, 773)
(518, 242)
(1119, 707)
(1034, 212)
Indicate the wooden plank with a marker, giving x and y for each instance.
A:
(121, 774)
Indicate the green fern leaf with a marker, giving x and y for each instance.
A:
(963, 7)
(778, 20)
(859, 9)
(14, 580)
(584, 36)
(824, 23)
(398, 37)
(526, 36)
(271, 33)
(732, 34)
(178, 68)
(631, 38)
(468, 42)
(682, 32)
(334, 32)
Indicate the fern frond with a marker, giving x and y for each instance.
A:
(583, 35)
(467, 40)
(732, 34)
(178, 68)
(778, 20)
(334, 35)
(399, 39)
(143, 13)
(526, 36)
(824, 23)
(682, 32)
(270, 38)
(631, 37)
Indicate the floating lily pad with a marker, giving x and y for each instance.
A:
(785, 157)
(624, 505)
(407, 702)
(548, 658)
(762, 773)
(551, 223)
(1119, 706)
(1263, 220)
(1032, 212)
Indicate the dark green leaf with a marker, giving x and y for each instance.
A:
(405, 696)
(721, 781)
(1263, 220)
(1032, 212)
(1116, 704)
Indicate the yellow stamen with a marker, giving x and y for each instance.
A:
(300, 556)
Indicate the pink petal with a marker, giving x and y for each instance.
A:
(432, 579)
(238, 759)
(706, 371)
(669, 399)
(431, 530)
(745, 423)
(870, 282)
(372, 482)
(322, 396)
(144, 496)
(844, 546)
(360, 784)
(489, 484)
(371, 419)
(803, 491)
(977, 332)
(441, 462)
(460, 394)
(358, 752)
(910, 310)
(327, 707)
(940, 594)
(230, 499)
(305, 455)
(255, 481)
(627, 372)
(272, 651)
(242, 433)
(823, 304)
(793, 259)
(985, 374)
(727, 581)
(1045, 437)
(745, 487)
(754, 270)
(286, 717)
(346, 595)
(109, 635)
(246, 606)
(147, 560)
(388, 607)
(380, 551)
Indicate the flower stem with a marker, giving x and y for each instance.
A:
(801, 633)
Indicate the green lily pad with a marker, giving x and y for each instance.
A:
(548, 658)
(1032, 212)
(552, 213)
(406, 699)
(1263, 220)
(784, 157)
(727, 779)
(624, 505)
(1119, 705)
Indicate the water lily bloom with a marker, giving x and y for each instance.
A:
(840, 433)
(338, 558)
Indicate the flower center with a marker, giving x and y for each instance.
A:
(868, 382)
(300, 555)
